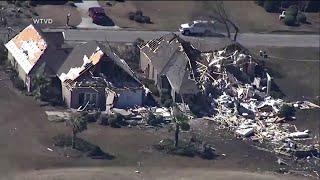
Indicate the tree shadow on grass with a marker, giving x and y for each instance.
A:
(85, 147)
(187, 149)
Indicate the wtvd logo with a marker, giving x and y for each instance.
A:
(42, 21)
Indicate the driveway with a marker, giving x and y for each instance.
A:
(86, 21)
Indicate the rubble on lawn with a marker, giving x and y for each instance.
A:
(139, 115)
(58, 116)
(239, 90)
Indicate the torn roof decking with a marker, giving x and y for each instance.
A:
(86, 55)
(80, 58)
(27, 47)
(160, 50)
(168, 57)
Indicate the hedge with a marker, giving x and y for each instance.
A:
(292, 10)
(289, 20)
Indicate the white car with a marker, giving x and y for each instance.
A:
(198, 27)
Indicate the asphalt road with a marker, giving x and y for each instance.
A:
(246, 39)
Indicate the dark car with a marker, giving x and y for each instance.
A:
(99, 17)
(139, 17)
(96, 11)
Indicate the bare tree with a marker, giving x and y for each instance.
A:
(78, 124)
(181, 122)
(221, 16)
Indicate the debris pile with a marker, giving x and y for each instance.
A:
(239, 92)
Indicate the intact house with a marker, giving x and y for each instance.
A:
(93, 77)
(165, 61)
(30, 49)
(88, 76)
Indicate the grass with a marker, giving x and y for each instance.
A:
(168, 15)
(297, 79)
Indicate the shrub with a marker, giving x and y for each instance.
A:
(3, 53)
(287, 111)
(103, 120)
(185, 126)
(92, 117)
(302, 18)
(292, 10)
(270, 6)
(186, 151)
(289, 20)
(154, 120)
(19, 84)
(165, 144)
(115, 120)
(165, 98)
(16, 81)
(208, 152)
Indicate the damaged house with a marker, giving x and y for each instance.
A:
(87, 76)
(93, 77)
(29, 49)
(165, 61)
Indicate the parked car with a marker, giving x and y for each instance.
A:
(99, 17)
(198, 27)
(96, 11)
(282, 15)
(139, 17)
